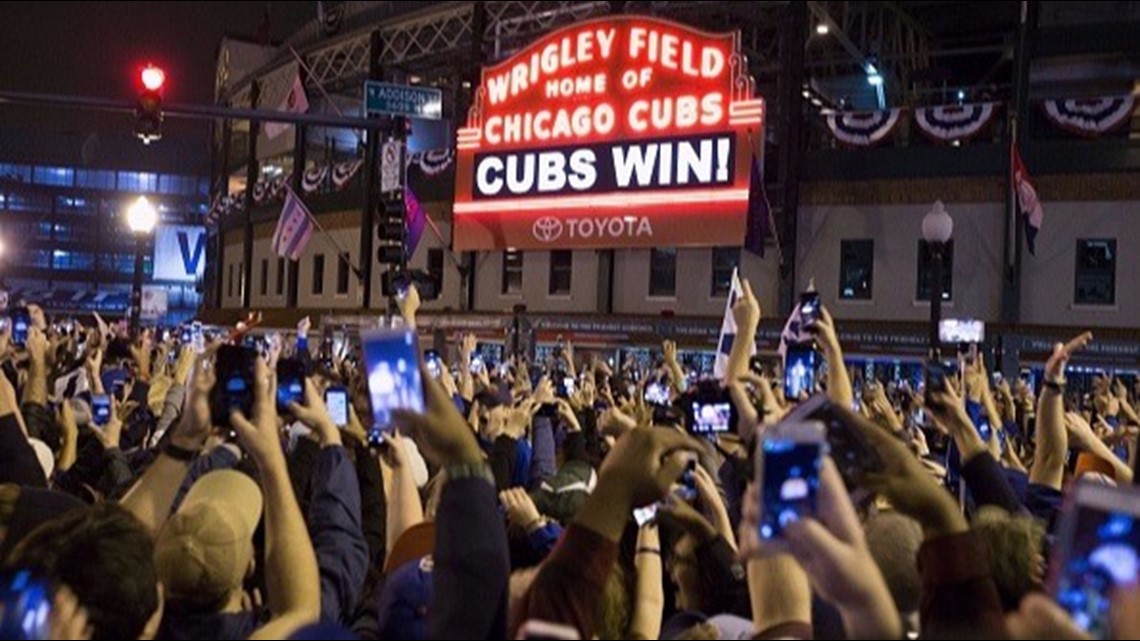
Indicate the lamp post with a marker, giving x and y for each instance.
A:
(937, 228)
(141, 218)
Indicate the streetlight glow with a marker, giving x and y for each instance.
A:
(142, 216)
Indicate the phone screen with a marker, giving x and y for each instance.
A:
(25, 606)
(799, 371)
(197, 338)
(21, 321)
(477, 365)
(336, 398)
(789, 479)
(290, 383)
(643, 515)
(432, 362)
(394, 381)
(1100, 551)
(657, 394)
(711, 418)
(810, 307)
(234, 386)
(568, 384)
(100, 409)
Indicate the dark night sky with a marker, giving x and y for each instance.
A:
(96, 49)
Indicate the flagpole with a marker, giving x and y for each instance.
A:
(308, 70)
(771, 216)
(344, 255)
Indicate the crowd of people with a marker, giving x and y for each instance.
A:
(517, 506)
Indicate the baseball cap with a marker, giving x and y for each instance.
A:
(404, 602)
(205, 549)
(415, 543)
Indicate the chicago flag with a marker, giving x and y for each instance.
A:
(294, 228)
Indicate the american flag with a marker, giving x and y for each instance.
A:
(728, 330)
(294, 228)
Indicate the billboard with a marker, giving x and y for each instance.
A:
(179, 253)
(626, 131)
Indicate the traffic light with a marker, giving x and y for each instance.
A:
(390, 231)
(148, 109)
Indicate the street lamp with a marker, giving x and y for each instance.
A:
(937, 228)
(141, 218)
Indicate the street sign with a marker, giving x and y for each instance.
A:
(384, 99)
(390, 175)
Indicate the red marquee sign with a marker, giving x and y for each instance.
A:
(617, 132)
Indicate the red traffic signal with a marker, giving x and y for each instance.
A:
(153, 78)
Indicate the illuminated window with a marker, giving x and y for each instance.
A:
(724, 261)
(512, 271)
(1096, 272)
(55, 176)
(663, 272)
(856, 269)
(924, 267)
(561, 268)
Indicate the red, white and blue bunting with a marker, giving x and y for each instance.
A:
(314, 177)
(947, 123)
(862, 128)
(432, 162)
(343, 172)
(1089, 117)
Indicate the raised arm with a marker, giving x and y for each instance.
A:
(1052, 440)
(291, 575)
(839, 388)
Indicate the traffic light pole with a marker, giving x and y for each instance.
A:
(371, 191)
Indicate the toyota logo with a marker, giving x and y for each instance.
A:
(547, 229)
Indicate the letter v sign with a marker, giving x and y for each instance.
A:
(191, 262)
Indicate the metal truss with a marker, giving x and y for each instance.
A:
(439, 38)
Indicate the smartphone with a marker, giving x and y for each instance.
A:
(100, 409)
(336, 399)
(810, 308)
(935, 381)
(787, 471)
(799, 371)
(234, 369)
(1097, 550)
(25, 606)
(853, 455)
(21, 321)
(432, 363)
(197, 338)
(290, 383)
(687, 484)
(477, 365)
(119, 389)
(643, 515)
(711, 418)
(391, 360)
(184, 336)
(657, 394)
(568, 387)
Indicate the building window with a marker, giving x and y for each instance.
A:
(725, 260)
(230, 282)
(138, 181)
(1096, 272)
(240, 275)
(318, 274)
(54, 176)
(663, 272)
(342, 275)
(512, 271)
(856, 269)
(435, 266)
(561, 268)
(925, 266)
(264, 276)
(95, 179)
(280, 276)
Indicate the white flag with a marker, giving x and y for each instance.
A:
(294, 228)
(728, 330)
(295, 102)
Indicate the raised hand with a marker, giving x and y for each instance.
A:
(315, 415)
(521, 511)
(1062, 352)
(258, 433)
